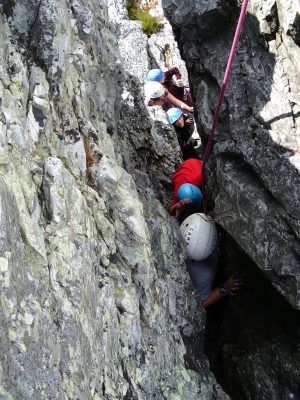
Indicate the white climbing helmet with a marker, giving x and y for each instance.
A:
(154, 89)
(200, 234)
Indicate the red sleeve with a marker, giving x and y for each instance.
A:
(176, 185)
(190, 171)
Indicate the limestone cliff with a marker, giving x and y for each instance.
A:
(95, 301)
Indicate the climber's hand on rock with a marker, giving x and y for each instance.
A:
(179, 82)
(190, 120)
(233, 284)
(178, 208)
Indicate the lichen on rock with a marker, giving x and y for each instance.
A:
(95, 299)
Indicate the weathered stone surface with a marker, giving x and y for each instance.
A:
(95, 301)
(139, 53)
(162, 47)
(253, 172)
(256, 156)
(132, 42)
(164, 51)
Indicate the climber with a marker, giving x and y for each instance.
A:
(184, 128)
(171, 79)
(190, 171)
(202, 272)
(157, 95)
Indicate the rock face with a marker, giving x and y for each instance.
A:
(254, 172)
(139, 53)
(253, 179)
(95, 300)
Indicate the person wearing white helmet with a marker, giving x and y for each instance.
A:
(172, 80)
(184, 128)
(157, 95)
(199, 233)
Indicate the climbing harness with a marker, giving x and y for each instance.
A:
(221, 97)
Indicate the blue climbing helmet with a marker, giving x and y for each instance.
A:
(192, 192)
(155, 75)
(174, 114)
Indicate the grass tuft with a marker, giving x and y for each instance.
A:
(150, 24)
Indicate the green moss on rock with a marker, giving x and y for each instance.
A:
(150, 24)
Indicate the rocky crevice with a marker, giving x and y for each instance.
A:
(259, 90)
(95, 299)
(253, 177)
(252, 341)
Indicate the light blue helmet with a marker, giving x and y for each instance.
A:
(192, 192)
(174, 114)
(155, 75)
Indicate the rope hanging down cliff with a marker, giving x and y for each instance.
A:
(221, 97)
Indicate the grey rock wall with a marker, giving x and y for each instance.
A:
(95, 302)
(253, 183)
(138, 52)
(254, 180)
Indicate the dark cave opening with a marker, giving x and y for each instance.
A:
(252, 340)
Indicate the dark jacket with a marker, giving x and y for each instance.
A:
(186, 142)
(176, 91)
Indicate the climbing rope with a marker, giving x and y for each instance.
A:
(221, 97)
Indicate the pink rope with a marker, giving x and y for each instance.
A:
(221, 97)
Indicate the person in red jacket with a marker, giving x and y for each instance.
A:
(202, 272)
(190, 171)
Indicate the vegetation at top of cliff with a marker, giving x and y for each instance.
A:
(135, 12)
